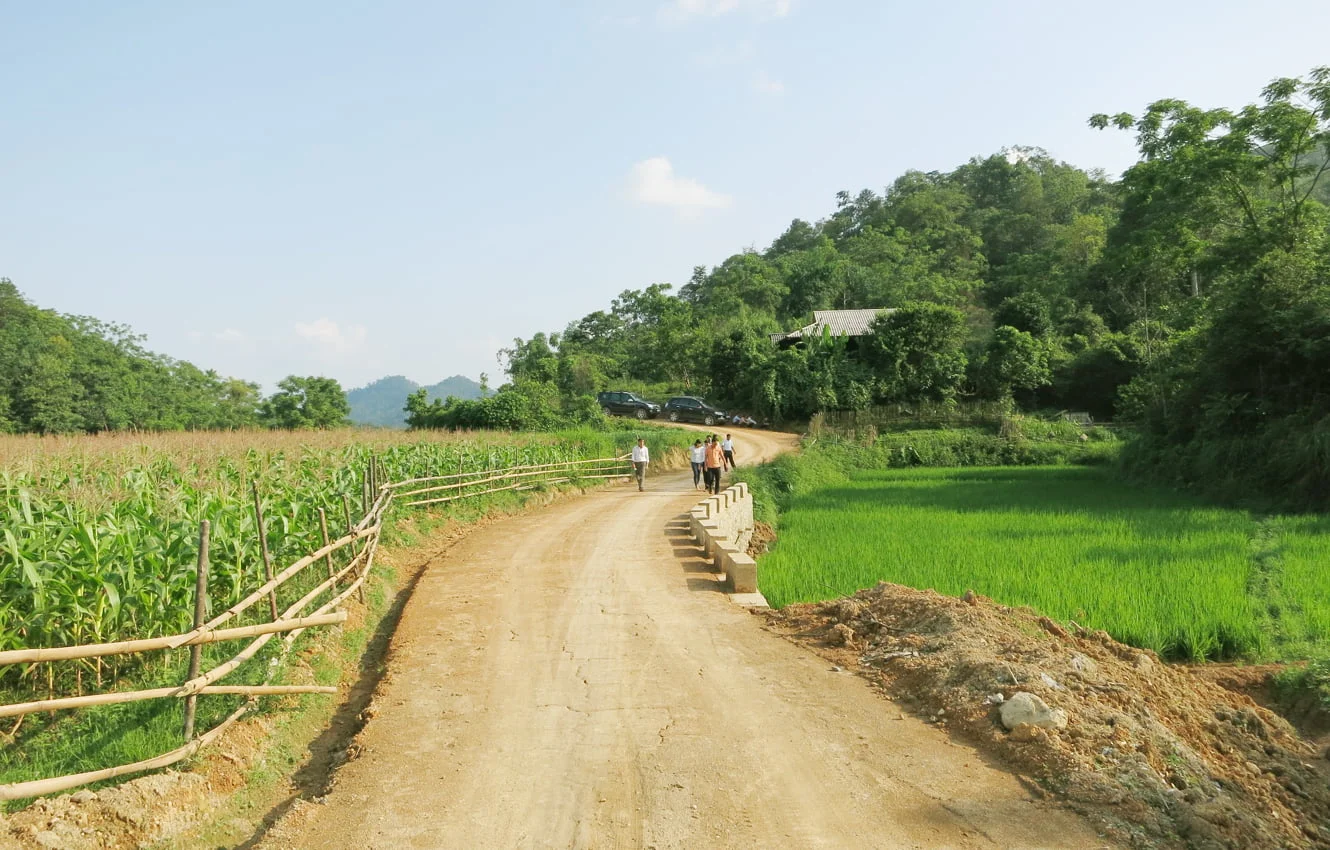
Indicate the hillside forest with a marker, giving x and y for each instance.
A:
(1190, 298)
(61, 374)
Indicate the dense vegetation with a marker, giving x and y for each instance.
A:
(1192, 297)
(64, 374)
(1154, 568)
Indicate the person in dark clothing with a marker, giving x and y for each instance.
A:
(715, 460)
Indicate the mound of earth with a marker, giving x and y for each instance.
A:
(1153, 754)
(141, 811)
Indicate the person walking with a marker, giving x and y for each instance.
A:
(727, 446)
(715, 460)
(641, 457)
(697, 455)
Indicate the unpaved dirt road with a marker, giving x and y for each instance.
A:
(573, 678)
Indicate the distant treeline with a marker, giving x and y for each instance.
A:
(62, 374)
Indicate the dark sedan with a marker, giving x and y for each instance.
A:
(687, 408)
(627, 404)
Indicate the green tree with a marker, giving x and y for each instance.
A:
(1027, 311)
(1015, 361)
(305, 402)
(917, 352)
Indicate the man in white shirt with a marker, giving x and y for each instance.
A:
(727, 446)
(641, 457)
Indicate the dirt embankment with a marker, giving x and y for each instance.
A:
(1154, 754)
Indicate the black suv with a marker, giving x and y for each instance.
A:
(686, 408)
(627, 404)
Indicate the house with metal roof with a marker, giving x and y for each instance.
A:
(836, 323)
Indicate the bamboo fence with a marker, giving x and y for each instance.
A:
(291, 623)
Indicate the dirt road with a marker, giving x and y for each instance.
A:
(574, 679)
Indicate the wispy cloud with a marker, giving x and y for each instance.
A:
(679, 11)
(766, 84)
(229, 335)
(653, 181)
(331, 336)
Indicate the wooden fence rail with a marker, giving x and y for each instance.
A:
(377, 497)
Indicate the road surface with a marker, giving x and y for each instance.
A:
(573, 678)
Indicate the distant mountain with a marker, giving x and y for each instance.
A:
(381, 402)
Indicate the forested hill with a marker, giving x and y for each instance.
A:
(382, 402)
(62, 374)
(1016, 240)
(74, 373)
(1191, 298)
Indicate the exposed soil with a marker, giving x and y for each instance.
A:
(1155, 754)
(142, 811)
(763, 536)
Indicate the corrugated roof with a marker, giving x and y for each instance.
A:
(848, 322)
(837, 322)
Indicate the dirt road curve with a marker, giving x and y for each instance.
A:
(574, 679)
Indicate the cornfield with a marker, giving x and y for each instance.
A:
(98, 538)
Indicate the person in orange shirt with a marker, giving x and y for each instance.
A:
(715, 460)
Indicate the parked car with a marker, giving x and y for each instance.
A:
(627, 404)
(687, 408)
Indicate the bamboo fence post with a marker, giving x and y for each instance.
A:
(364, 493)
(263, 547)
(323, 527)
(346, 511)
(200, 614)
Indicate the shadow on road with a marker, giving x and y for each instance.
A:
(328, 750)
(700, 572)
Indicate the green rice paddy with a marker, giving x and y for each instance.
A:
(1153, 568)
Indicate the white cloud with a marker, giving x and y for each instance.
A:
(678, 11)
(229, 335)
(767, 85)
(654, 182)
(332, 336)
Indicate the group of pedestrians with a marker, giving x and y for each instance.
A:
(709, 459)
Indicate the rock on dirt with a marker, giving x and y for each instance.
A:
(841, 635)
(1026, 709)
(1154, 754)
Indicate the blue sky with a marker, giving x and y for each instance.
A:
(358, 190)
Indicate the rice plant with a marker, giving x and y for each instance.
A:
(1153, 568)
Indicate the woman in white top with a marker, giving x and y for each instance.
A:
(697, 455)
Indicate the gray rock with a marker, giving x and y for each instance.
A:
(994, 699)
(1084, 665)
(1050, 681)
(1027, 708)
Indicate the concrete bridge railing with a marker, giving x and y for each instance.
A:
(723, 525)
